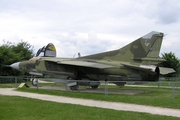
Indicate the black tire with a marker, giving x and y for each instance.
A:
(95, 86)
(34, 82)
(75, 87)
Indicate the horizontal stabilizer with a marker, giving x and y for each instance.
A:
(151, 68)
(165, 71)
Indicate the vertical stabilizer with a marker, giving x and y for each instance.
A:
(153, 43)
(147, 46)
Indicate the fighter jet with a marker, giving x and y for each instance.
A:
(137, 61)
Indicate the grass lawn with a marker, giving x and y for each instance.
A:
(155, 96)
(19, 108)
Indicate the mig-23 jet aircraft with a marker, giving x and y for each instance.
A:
(136, 61)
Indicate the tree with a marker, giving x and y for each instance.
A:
(24, 50)
(171, 61)
(11, 53)
(7, 57)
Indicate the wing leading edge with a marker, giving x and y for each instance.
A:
(85, 64)
(94, 64)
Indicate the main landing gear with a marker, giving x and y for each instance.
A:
(92, 84)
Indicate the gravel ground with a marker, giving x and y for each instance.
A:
(94, 103)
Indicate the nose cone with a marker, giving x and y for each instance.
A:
(15, 65)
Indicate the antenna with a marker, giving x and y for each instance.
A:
(79, 55)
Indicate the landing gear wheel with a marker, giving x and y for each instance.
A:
(95, 86)
(75, 87)
(34, 82)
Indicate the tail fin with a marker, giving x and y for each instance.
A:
(147, 46)
(48, 51)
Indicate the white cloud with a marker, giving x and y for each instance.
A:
(89, 26)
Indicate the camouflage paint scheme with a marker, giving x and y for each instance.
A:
(136, 61)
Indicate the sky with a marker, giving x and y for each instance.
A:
(89, 26)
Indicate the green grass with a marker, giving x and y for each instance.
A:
(8, 85)
(19, 108)
(151, 96)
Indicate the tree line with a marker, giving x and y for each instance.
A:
(11, 53)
